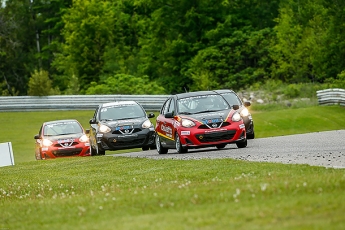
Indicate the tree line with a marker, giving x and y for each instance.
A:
(163, 46)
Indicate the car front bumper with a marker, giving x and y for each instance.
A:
(212, 137)
(109, 141)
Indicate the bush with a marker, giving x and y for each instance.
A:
(40, 84)
(125, 84)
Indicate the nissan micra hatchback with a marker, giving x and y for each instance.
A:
(197, 120)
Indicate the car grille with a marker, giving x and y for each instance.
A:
(214, 125)
(67, 152)
(127, 143)
(129, 131)
(216, 136)
(67, 144)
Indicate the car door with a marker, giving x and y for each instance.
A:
(165, 125)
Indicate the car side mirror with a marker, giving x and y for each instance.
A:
(169, 115)
(150, 115)
(92, 121)
(247, 103)
(235, 107)
(36, 137)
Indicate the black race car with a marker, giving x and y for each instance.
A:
(121, 125)
(234, 100)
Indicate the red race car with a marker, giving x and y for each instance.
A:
(197, 120)
(61, 138)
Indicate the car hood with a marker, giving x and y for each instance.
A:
(132, 122)
(211, 115)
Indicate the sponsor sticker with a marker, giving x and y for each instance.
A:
(185, 132)
(125, 127)
(242, 126)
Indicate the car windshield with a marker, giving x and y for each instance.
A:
(121, 112)
(62, 128)
(200, 104)
(232, 99)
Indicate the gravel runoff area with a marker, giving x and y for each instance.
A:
(326, 149)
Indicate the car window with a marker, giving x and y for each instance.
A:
(171, 106)
(122, 111)
(62, 128)
(201, 104)
(232, 99)
(165, 108)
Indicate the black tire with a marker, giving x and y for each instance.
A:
(93, 151)
(96, 151)
(145, 148)
(251, 135)
(160, 149)
(221, 146)
(178, 145)
(100, 151)
(242, 144)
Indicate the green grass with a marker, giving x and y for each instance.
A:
(124, 193)
(132, 193)
(298, 120)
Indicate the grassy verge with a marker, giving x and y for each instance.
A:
(121, 193)
(128, 193)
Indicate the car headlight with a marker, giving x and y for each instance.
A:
(84, 138)
(187, 123)
(46, 143)
(244, 112)
(147, 124)
(104, 129)
(236, 117)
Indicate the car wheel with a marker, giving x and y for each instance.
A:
(242, 144)
(222, 146)
(160, 149)
(145, 148)
(100, 151)
(178, 145)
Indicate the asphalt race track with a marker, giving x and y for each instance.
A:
(325, 149)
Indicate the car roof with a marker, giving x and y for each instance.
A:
(119, 103)
(194, 94)
(221, 91)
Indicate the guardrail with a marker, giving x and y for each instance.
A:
(75, 102)
(331, 96)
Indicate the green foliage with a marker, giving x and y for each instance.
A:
(125, 84)
(7, 91)
(73, 86)
(181, 45)
(338, 82)
(306, 36)
(292, 91)
(40, 84)
(88, 31)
